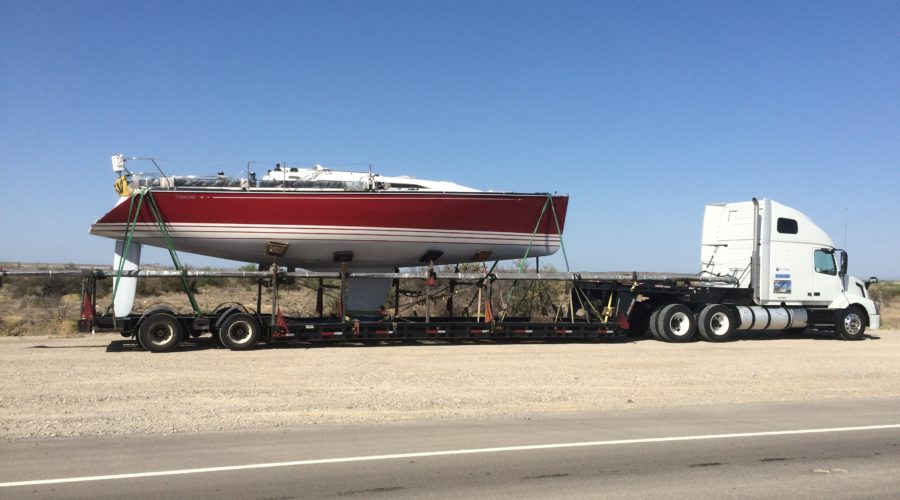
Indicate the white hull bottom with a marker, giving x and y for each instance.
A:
(378, 249)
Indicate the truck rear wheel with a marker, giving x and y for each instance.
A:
(159, 332)
(654, 325)
(676, 323)
(850, 323)
(716, 323)
(239, 332)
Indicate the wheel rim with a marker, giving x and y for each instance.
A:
(161, 334)
(852, 323)
(679, 324)
(240, 332)
(719, 324)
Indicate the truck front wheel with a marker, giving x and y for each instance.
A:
(850, 323)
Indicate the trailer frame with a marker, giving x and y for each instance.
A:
(671, 307)
(607, 305)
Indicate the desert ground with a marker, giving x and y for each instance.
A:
(55, 382)
(94, 385)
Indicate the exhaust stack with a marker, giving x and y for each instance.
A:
(754, 255)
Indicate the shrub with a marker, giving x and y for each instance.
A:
(16, 327)
(149, 287)
(885, 292)
(209, 282)
(43, 286)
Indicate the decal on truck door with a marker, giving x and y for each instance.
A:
(782, 281)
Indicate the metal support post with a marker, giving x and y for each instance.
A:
(274, 295)
(320, 299)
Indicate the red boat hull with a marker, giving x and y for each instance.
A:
(383, 230)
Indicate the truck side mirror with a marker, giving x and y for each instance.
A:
(843, 263)
(871, 281)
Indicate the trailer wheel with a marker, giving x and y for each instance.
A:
(654, 326)
(850, 323)
(676, 323)
(159, 332)
(716, 323)
(239, 332)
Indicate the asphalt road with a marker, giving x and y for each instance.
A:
(845, 449)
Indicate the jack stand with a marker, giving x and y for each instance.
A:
(429, 282)
(341, 310)
(320, 299)
(273, 322)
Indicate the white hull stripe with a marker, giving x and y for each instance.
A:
(311, 228)
(143, 231)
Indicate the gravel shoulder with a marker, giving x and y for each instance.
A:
(105, 385)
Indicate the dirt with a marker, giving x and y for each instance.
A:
(104, 384)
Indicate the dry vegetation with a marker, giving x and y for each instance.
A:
(887, 295)
(52, 305)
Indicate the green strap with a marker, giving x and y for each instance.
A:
(559, 233)
(562, 247)
(129, 236)
(537, 226)
(157, 215)
(129, 232)
(133, 216)
(534, 233)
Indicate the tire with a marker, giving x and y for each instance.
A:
(654, 330)
(850, 324)
(159, 332)
(239, 332)
(215, 336)
(676, 323)
(716, 323)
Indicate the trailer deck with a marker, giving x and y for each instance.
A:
(596, 305)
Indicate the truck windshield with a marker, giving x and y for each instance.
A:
(825, 262)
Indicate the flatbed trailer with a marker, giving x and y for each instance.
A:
(600, 305)
(671, 307)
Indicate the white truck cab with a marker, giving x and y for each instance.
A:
(789, 262)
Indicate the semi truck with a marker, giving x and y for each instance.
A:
(764, 266)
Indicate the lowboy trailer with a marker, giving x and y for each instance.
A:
(599, 305)
(764, 266)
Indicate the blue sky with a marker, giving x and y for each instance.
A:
(641, 111)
